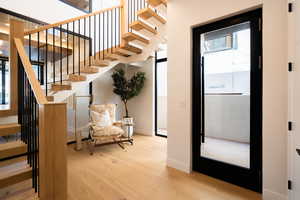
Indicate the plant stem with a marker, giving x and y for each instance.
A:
(126, 109)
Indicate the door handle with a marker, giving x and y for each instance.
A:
(298, 151)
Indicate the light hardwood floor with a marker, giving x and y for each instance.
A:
(140, 173)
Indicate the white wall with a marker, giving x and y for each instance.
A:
(103, 92)
(196, 12)
(141, 108)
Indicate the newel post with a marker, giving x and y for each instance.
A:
(16, 30)
(53, 151)
(123, 18)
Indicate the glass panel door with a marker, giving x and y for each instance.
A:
(227, 98)
(226, 65)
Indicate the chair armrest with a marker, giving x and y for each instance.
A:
(118, 123)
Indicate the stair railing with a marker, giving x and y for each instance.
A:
(133, 7)
(43, 129)
(69, 46)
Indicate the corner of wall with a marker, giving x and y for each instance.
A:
(271, 195)
(179, 165)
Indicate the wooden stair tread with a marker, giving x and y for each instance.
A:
(155, 3)
(139, 25)
(90, 70)
(120, 53)
(132, 36)
(9, 129)
(10, 149)
(100, 63)
(15, 177)
(76, 78)
(110, 57)
(59, 87)
(131, 48)
(147, 13)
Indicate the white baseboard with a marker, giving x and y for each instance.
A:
(271, 195)
(178, 165)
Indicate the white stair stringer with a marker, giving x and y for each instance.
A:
(76, 86)
(148, 50)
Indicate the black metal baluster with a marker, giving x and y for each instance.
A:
(60, 38)
(99, 37)
(67, 48)
(53, 55)
(94, 37)
(128, 14)
(107, 33)
(119, 32)
(79, 46)
(111, 32)
(46, 63)
(103, 31)
(115, 11)
(73, 47)
(84, 40)
(38, 56)
(134, 10)
(90, 38)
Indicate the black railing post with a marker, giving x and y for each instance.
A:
(90, 47)
(79, 47)
(46, 64)
(60, 40)
(67, 48)
(84, 40)
(53, 54)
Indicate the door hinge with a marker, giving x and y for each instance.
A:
(290, 67)
(298, 151)
(290, 7)
(259, 24)
(259, 62)
(289, 185)
(290, 125)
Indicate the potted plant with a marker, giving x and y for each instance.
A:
(127, 89)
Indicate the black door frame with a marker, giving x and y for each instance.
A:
(247, 178)
(160, 60)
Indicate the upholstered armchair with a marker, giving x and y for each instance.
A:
(103, 126)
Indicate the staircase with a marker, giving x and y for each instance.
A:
(75, 52)
(14, 170)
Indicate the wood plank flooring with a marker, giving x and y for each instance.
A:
(140, 173)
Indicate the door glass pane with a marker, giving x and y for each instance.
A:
(226, 57)
(162, 98)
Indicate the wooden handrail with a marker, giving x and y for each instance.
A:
(35, 85)
(45, 27)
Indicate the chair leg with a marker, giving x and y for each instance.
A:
(92, 144)
(119, 143)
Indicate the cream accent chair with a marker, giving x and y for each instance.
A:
(104, 129)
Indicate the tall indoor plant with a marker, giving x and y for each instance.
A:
(127, 88)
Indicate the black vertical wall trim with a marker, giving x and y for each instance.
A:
(155, 93)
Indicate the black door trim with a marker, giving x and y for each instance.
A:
(155, 94)
(248, 178)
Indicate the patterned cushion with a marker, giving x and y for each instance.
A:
(101, 118)
(111, 108)
(107, 131)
